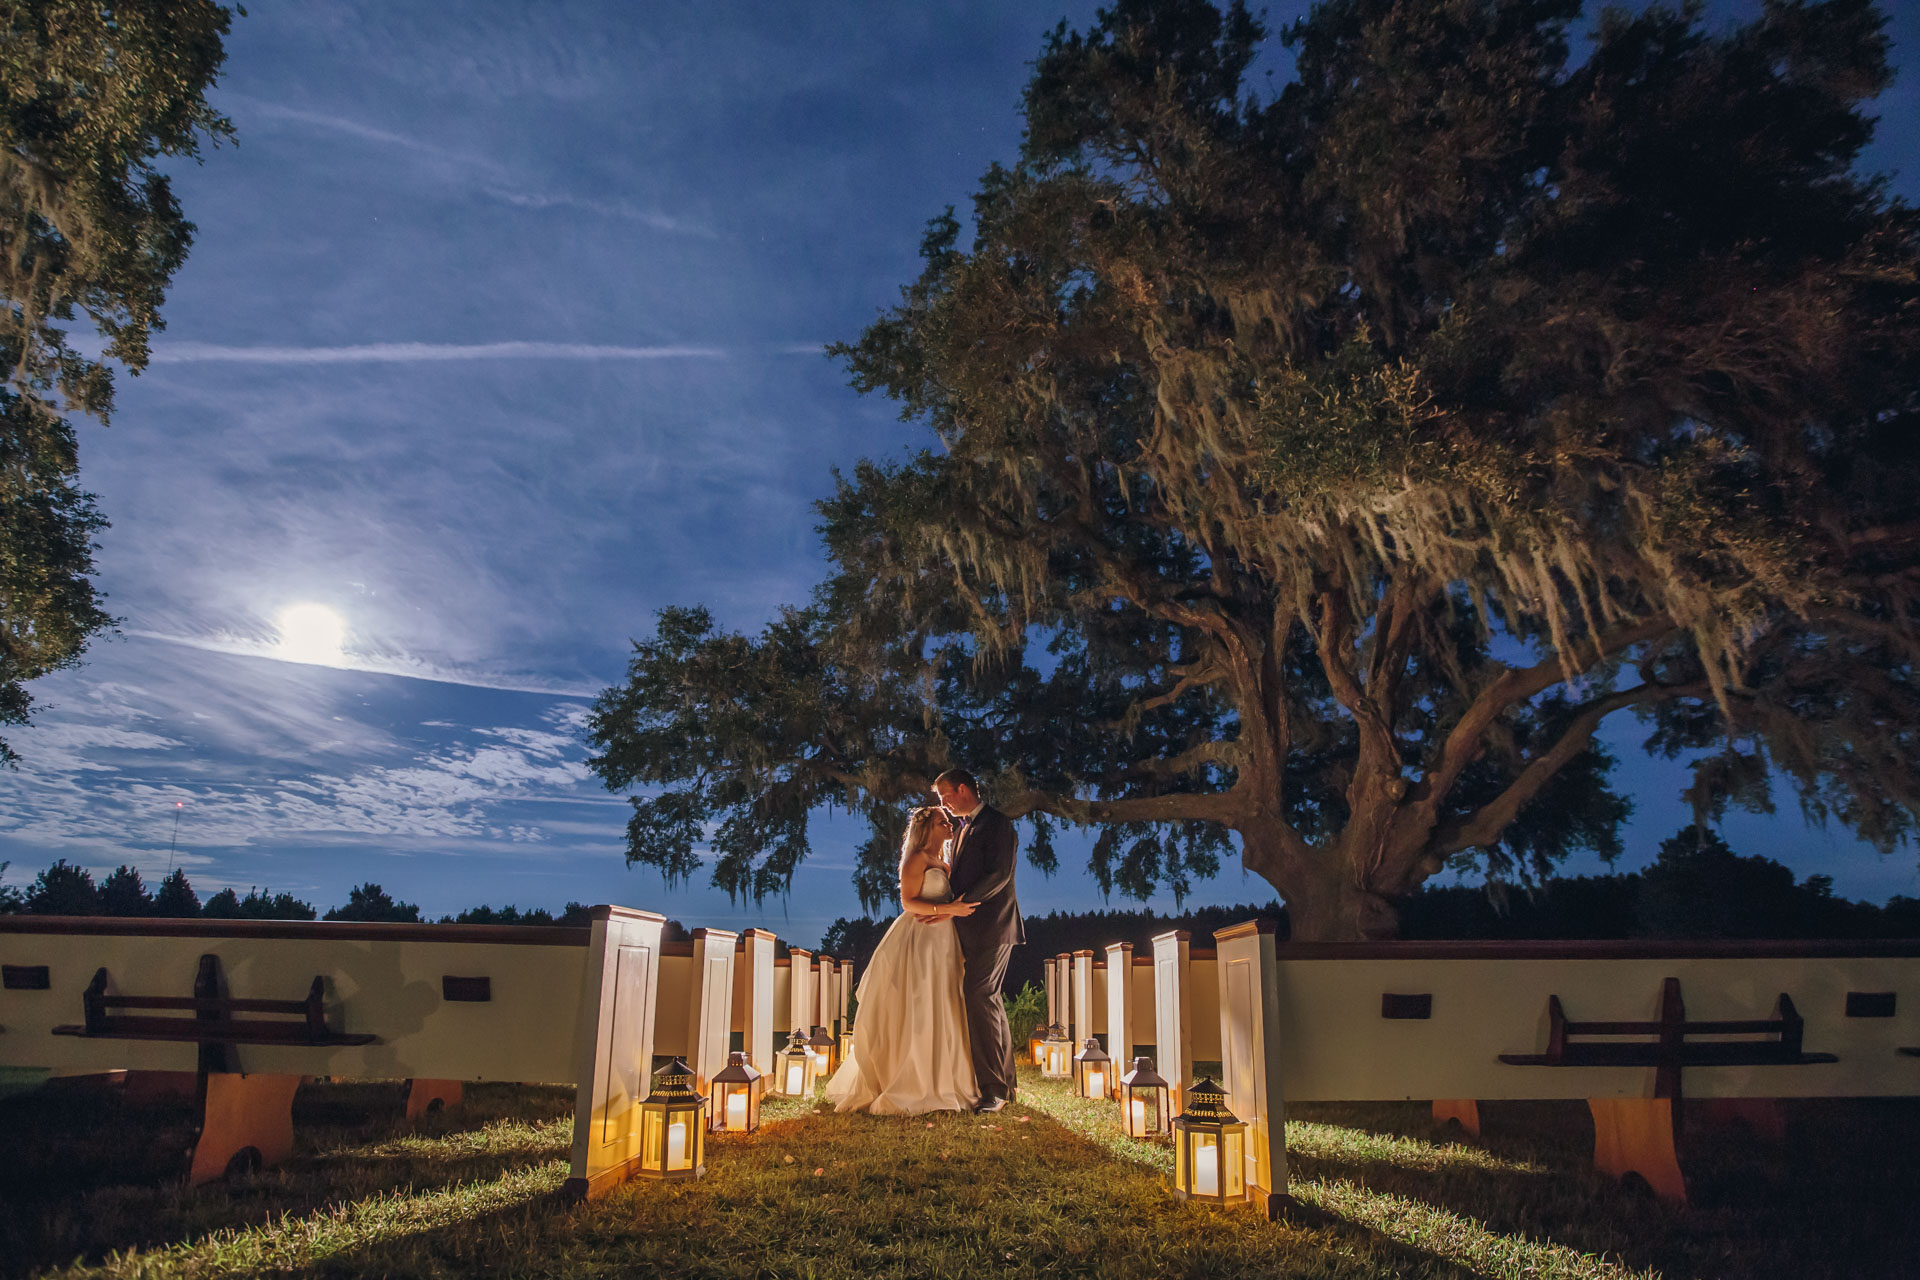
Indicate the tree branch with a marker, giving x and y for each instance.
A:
(1193, 675)
(1210, 806)
(1515, 685)
(1213, 751)
(1485, 825)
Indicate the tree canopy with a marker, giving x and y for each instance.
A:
(1324, 467)
(91, 96)
(370, 902)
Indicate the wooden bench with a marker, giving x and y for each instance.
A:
(215, 1020)
(1642, 1135)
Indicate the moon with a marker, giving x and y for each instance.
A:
(311, 633)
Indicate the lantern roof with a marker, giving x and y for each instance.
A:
(797, 1043)
(1092, 1052)
(737, 1071)
(1056, 1032)
(819, 1037)
(1143, 1076)
(1206, 1103)
(674, 1083)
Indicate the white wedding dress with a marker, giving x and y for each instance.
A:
(910, 1052)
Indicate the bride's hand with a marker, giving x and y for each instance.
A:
(961, 908)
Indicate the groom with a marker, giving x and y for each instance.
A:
(982, 872)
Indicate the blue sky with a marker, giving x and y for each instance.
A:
(502, 331)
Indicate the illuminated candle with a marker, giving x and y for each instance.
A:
(1206, 1170)
(796, 1072)
(1096, 1084)
(677, 1145)
(1138, 1118)
(737, 1109)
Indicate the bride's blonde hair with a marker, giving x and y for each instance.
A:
(917, 823)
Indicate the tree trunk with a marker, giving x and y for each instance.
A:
(1336, 909)
(1325, 897)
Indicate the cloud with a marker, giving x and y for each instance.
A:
(605, 208)
(405, 668)
(340, 124)
(497, 181)
(418, 352)
(91, 788)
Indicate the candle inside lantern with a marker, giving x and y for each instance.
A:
(1206, 1169)
(1096, 1084)
(677, 1145)
(796, 1072)
(737, 1109)
(1137, 1120)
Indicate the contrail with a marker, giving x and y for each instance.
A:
(415, 352)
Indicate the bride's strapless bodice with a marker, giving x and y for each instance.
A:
(936, 887)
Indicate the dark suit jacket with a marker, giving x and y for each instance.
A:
(983, 873)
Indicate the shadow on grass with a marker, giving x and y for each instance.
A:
(1822, 1204)
(87, 1176)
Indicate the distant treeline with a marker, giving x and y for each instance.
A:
(1697, 887)
(65, 890)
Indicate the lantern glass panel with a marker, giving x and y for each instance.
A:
(653, 1138)
(1204, 1149)
(1143, 1112)
(734, 1108)
(1233, 1164)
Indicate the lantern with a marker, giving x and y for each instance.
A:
(736, 1095)
(793, 1073)
(1143, 1101)
(846, 1041)
(821, 1045)
(1209, 1148)
(673, 1126)
(1092, 1071)
(1058, 1062)
(1037, 1046)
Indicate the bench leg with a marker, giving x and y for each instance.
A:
(431, 1095)
(243, 1113)
(1635, 1135)
(1463, 1111)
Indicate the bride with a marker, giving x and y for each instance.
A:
(910, 1051)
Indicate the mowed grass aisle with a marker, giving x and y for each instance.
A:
(1045, 1189)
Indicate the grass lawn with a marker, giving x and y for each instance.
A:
(1045, 1189)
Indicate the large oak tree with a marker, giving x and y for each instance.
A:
(92, 95)
(1325, 467)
